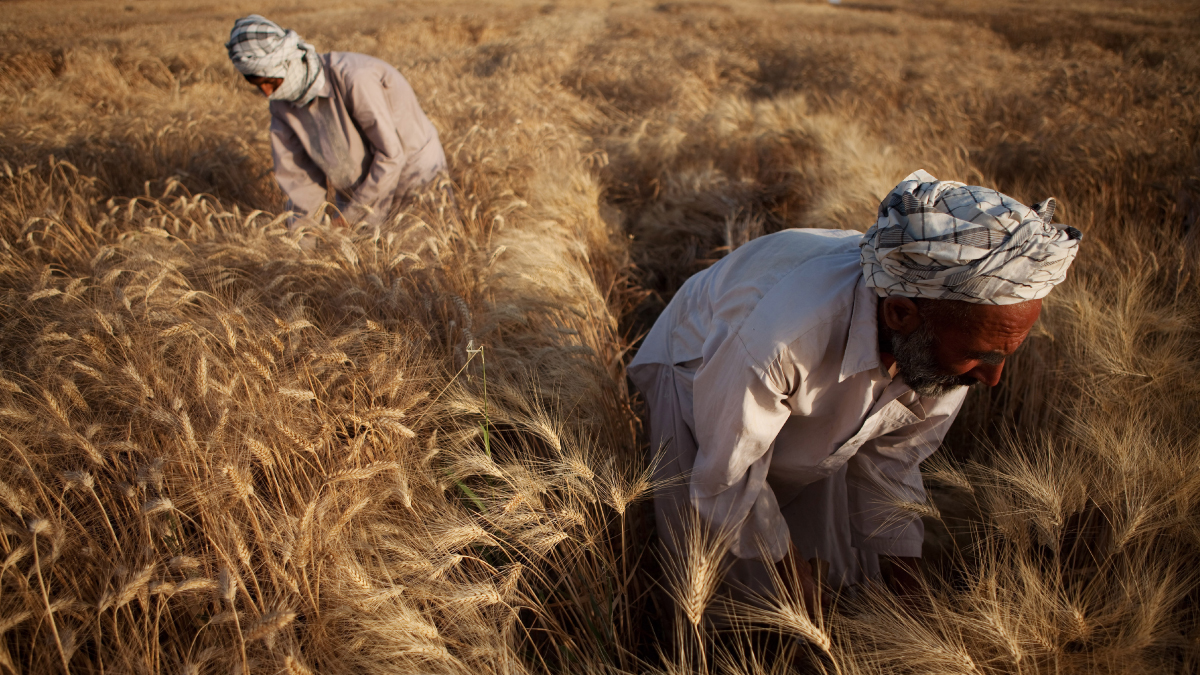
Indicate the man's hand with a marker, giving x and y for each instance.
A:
(797, 576)
(903, 577)
(338, 221)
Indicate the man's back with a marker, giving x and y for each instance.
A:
(345, 127)
(365, 133)
(796, 385)
(808, 271)
(773, 357)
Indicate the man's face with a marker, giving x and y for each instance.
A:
(958, 346)
(267, 85)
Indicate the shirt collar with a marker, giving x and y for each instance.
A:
(862, 344)
(325, 87)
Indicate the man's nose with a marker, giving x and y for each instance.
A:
(267, 88)
(988, 374)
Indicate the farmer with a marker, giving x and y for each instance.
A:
(345, 128)
(795, 386)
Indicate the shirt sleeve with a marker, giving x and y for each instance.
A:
(368, 103)
(739, 409)
(298, 176)
(885, 474)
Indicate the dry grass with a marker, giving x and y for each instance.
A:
(413, 449)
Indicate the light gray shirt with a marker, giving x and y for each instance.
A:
(778, 345)
(364, 134)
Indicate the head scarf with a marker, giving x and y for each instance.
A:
(946, 240)
(258, 46)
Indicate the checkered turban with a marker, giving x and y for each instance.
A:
(258, 46)
(946, 240)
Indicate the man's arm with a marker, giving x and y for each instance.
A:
(797, 576)
(902, 574)
(298, 176)
(738, 409)
(885, 475)
(368, 103)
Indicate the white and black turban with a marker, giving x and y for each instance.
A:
(258, 46)
(946, 240)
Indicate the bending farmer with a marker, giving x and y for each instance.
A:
(345, 128)
(796, 385)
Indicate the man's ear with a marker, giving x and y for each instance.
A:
(901, 314)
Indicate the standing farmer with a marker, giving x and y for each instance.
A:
(796, 385)
(345, 128)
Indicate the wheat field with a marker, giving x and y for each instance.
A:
(413, 449)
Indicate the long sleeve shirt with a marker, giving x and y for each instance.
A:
(778, 345)
(364, 135)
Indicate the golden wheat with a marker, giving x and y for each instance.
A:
(229, 446)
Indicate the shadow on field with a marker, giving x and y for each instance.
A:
(138, 165)
(129, 116)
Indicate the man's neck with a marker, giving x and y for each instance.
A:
(885, 341)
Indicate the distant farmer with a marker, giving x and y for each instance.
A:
(345, 128)
(797, 384)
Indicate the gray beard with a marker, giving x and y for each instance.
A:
(917, 364)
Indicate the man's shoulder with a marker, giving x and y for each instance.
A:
(281, 110)
(768, 259)
(764, 294)
(810, 304)
(351, 67)
(793, 247)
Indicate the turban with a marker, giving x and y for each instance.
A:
(946, 240)
(258, 46)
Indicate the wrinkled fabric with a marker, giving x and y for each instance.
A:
(365, 136)
(776, 420)
(259, 46)
(946, 240)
